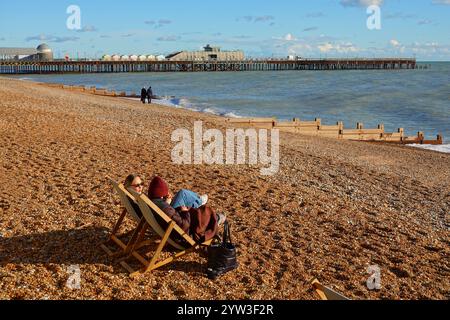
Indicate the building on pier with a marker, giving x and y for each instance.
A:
(209, 53)
(42, 53)
(132, 57)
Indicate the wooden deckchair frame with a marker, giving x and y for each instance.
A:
(114, 237)
(326, 293)
(149, 209)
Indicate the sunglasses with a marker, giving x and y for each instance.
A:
(140, 185)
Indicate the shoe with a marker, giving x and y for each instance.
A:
(204, 199)
(221, 219)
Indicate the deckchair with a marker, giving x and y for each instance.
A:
(169, 232)
(117, 239)
(326, 293)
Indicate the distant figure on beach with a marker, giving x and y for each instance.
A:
(143, 95)
(134, 185)
(187, 209)
(149, 94)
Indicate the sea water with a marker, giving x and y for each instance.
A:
(416, 100)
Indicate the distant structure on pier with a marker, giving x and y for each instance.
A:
(42, 53)
(133, 57)
(209, 54)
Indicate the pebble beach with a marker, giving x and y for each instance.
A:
(334, 209)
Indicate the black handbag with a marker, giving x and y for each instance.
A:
(222, 256)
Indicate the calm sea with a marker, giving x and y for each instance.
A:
(416, 100)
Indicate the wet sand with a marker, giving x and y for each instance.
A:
(334, 209)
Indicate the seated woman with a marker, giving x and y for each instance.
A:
(187, 210)
(134, 185)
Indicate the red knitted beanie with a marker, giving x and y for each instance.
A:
(158, 188)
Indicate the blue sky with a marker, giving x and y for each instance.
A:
(262, 28)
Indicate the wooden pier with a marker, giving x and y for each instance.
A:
(61, 67)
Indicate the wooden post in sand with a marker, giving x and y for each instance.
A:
(340, 125)
(382, 132)
(318, 121)
(401, 131)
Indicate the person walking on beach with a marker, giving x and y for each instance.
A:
(149, 95)
(143, 95)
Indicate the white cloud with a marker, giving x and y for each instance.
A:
(310, 29)
(315, 46)
(325, 47)
(318, 14)
(289, 37)
(400, 15)
(88, 29)
(394, 43)
(342, 48)
(128, 35)
(263, 19)
(424, 22)
(169, 38)
(444, 2)
(158, 24)
(51, 38)
(299, 49)
(361, 3)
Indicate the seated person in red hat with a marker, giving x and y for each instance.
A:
(187, 209)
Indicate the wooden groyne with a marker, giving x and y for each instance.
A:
(61, 67)
(91, 90)
(316, 128)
